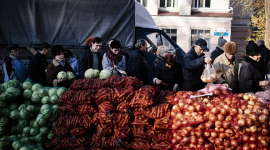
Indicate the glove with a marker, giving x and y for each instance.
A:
(175, 87)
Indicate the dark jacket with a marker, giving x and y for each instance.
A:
(251, 73)
(170, 76)
(86, 62)
(265, 55)
(157, 61)
(53, 69)
(126, 58)
(193, 66)
(36, 68)
(137, 65)
(215, 53)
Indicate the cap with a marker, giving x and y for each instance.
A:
(221, 41)
(252, 49)
(12, 46)
(202, 43)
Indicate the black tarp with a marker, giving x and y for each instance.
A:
(66, 22)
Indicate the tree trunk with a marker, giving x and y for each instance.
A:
(267, 25)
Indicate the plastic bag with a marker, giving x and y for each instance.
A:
(209, 74)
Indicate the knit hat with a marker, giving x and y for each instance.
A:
(221, 41)
(230, 48)
(12, 46)
(252, 49)
(89, 41)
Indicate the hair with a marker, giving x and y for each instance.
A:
(139, 43)
(97, 40)
(68, 53)
(115, 44)
(45, 45)
(161, 49)
(57, 49)
(260, 42)
(170, 59)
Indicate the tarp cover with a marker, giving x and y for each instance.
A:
(66, 22)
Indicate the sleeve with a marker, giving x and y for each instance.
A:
(50, 77)
(179, 74)
(135, 67)
(82, 66)
(245, 79)
(193, 65)
(156, 73)
(122, 64)
(219, 73)
(33, 68)
(77, 68)
(106, 63)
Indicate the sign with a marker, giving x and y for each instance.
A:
(221, 32)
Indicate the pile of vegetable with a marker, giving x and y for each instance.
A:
(29, 111)
(95, 73)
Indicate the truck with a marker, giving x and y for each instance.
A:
(69, 22)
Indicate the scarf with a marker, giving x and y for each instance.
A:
(62, 63)
(258, 65)
(113, 57)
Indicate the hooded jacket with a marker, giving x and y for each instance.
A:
(74, 63)
(215, 53)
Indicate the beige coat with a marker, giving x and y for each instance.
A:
(227, 72)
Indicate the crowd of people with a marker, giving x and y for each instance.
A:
(168, 74)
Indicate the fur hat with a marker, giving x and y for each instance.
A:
(57, 49)
(89, 41)
(230, 48)
(221, 41)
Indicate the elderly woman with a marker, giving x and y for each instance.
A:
(113, 60)
(161, 53)
(252, 75)
(168, 73)
(58, 64)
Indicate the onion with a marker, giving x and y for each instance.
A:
(173, 114)
(194, 114)
(191, 145)
(187, 113)
(190, 128)
(212, 117)
(243, 107)
(253, 129)
(227, 143)
(175, 108)
(245, 138)
(264, 143)
(233, 111)
(181, 105)
(179, 115)
(265, 131)
(189, 101)
(220, 117)
(199, 108)
(254, 117)
(253, 138)
(226, 124)
(265, 111)
(229, 133)
(207, 133)
(216, 92)
(173, 141)
(209, 125)
(218, 142)
(237, 128)
(184, 132)
(178, 138)
(251, 102)
(226, 107)
(201, 141)
(201, 127)
(263, 118)
(214, 134)
(222, 135)
(246, 147)
(185, 140)
(193, 140)
(240, 111)
(247, 111)
(223, 111)
(245, 96)
(229, 118)
(215, 110)
(240, 95)
(205, 100)
(241, 122)
(249, 122)
(241, 116)
(234, 143)
(218, 124)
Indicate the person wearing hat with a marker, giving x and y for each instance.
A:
(226, 66)
(219, 49)
(91, 58)
(252, 75)
(38, 64)
(58, 64)
(13, 67)
(265, 55)
(193, 66)
(73, 61)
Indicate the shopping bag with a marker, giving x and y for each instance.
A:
(209, 74)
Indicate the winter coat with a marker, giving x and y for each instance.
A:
(36, 68)
(137, 65)
(53, 69)
(193, 66)
(86, 62)
(265, 56)
(251, 73)
(170, 76)
(107, 64)
(215, 53)
(74, 63)
(157, 61)
(227, 72)
(14, 68)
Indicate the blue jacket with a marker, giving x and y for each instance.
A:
(74, 63)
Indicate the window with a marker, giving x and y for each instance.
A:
(201, 3)
(143, 2)
(200, 34)
(172, 33)
(169, 3)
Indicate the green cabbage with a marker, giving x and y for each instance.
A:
(27, 85)
(2, 104)
(89, 73)
(14, 114)
(104, 74)
(25, 148)
(30, 108)
(96, 72)
(46, 113)
(27, 94)
(5, 96)
(61, 74)
(44, 130)
(52, 91)
(54, 99)
(11, 83)
(70, 75)
(16, 145)
(42, 93)
(60, 91)
(50, 135)
(26, 130)
(24, 114)
(3, 121)
(28, 102)
(13, 106)
(45, 106)
(23, 123)
(34, 131)
(6, 112)
(45, 100)
(15, 92)
(35, 98)
(21, 107)
(36, 87)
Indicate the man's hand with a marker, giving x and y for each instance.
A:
(158, 81)
(122, 72)
(207, 60)
(175, 87)
(263, 83)
(62, 80)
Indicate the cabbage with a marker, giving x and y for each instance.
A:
(60, 91)
(13, 129)
(11, 83)
(13, 106)
(45, 100)
(28, 103)
(34, 131)
(35, 98)
(16, 145)
(54, 99)
(2, 88)
(27, 94)
(70, 75)
(23, 123)
(42, 93)
(15, 92)
(2, 104)
(6, 112)
(40, 138)
(55, 107)
(52, 91)
(14, 114)
(41, 121)
(30, 108)
(61, 74)
(3, 121)
(50, 135)
(96, 72)
(45, 106)
(46, 88)
(21, 107)
(27, 85)
(5, 96)
(32, 122)
(44, 130)
(3, 130)
(26, 130)
(25, 147)
(24, 114)
(36, 87)
(46, 113)
(89, 73)
(104, 74)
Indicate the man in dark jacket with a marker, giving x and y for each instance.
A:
(265, 55)
(91, 58)
(38, 64)
(193, 65)
(219, 49)
(137, 65)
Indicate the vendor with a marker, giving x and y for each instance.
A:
(58, 64)
(252, 75)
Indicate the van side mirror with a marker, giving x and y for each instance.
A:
(151, 50)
